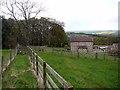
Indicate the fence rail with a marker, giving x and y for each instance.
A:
(42, 68)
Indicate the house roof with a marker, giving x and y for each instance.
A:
(81, 39)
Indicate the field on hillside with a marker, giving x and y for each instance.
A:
(83, 72)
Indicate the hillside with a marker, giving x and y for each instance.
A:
(108, 33)
(98, 33)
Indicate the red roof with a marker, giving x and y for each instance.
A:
(81, 39)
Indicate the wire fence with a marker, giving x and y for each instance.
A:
(97, 56)
(82, 54)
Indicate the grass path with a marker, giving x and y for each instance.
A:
(19, 74)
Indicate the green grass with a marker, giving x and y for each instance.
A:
(19, 74)
(84, 72)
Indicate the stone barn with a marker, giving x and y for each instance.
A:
(81, 43)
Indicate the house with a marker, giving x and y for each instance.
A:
(106, 48)
(115, 46)
(81, 43)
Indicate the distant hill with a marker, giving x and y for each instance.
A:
(108, 33)
(98, 33)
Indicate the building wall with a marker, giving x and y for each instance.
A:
(74, 45)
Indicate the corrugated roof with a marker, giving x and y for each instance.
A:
(81, 39)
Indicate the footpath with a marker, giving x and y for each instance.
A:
(19, 74)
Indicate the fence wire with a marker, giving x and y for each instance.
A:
(81, 54)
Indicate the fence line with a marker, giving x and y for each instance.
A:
(12, 55)
(42, 70)
(82, 54)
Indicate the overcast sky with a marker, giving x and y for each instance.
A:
(83, 14)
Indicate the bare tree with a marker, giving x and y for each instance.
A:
(22, 10)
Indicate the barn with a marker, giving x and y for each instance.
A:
(81, 43)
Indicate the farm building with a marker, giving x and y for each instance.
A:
(114, 46)
(81, 43)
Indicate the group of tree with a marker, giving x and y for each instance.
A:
(105, 40)
(26, 27)
(43, 31)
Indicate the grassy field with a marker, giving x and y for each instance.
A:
(84, 72)
(19, 74)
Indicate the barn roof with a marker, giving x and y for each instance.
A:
(81, 39)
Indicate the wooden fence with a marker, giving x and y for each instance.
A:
(12, 55)
(41, 68)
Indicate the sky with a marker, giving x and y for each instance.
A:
(80, 15)
(84, 14)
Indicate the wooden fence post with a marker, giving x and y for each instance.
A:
(36, 64)
(104, 56)
(10, 56)
(78, 54)
(2, 63)
(44, 74)
(96, 55)
(16, 51)
(34, 59)
(115, 57)
(71, 53)
(30, 55)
